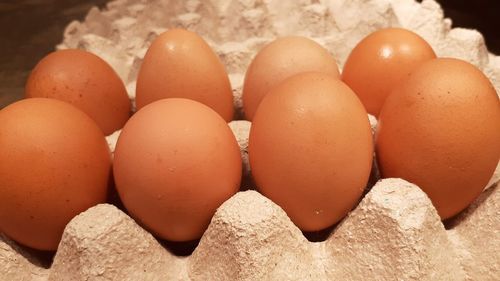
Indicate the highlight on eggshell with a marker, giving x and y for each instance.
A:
(180, 64)
(311, 149)
(175, 163)
(85, 81)
(380, 61)
(278, 60)
(55, 164)
(440, 129)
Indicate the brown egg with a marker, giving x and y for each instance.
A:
(180, 64)
(175, 163)
(380, 61)
(440, 129)
(55, 164)
(84, 80)
(279, 60)
(311, 149)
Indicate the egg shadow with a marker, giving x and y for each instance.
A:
(457, 219)
(36, 257)
(247, 182)
(181, 249)
(113, 197)
(44, 257)
(321, 235)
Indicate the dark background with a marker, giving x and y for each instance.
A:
(29, 29)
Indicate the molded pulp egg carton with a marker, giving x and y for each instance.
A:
(393, 234)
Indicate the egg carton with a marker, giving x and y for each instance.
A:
(394, 233)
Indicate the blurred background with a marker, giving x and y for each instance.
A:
(29, 29)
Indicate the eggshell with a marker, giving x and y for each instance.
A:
(311, 149)
(279, 60)
(380, 61)
(84, 80)
(440, 129)
(55, 163)
(180, 64)
(175, 162)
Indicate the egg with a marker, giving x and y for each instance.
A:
(279, 60)
(440, 129)
(380, 61)
(85, 81)
(180, 64)
(175, 163)
(311, 149)
(55, 164)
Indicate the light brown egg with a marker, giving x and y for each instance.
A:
(280, 59)
(311, 149)
(175, 163)
(180, 64)
(55, 163)
(440, 129)
(380, 61)
(85, 81)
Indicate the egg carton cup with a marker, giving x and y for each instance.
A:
(394, 233)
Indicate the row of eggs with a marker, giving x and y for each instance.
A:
(310, 145)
